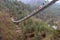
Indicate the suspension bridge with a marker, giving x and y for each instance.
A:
(34, 12)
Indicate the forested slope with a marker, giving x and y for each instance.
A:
(32, 29)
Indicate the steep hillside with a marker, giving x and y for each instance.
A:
(15, 8)
(51, 12)
(31, 29)
(7, 28)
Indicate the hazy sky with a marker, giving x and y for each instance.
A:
(27, 1)
(56, 2)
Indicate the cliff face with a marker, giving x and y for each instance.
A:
(7, 28)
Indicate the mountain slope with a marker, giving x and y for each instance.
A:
(51, 12)
(15, 8)
(7, 28)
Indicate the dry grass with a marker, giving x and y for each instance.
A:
(7, 28)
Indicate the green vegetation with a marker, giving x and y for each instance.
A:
(18, 9)
(31, 30)
(7, 28)
(38, 29)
